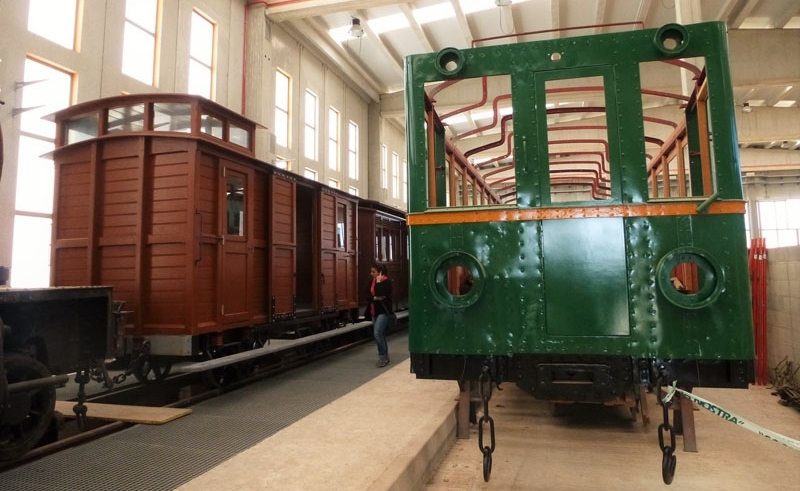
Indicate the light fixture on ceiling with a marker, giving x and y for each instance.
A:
(786, 145)
(356, 30)
(746, 108)
(502, 3)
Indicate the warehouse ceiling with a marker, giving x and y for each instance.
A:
(368, 40)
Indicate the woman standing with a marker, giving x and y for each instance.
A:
(381, 309)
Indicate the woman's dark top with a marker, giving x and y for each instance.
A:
(382, 289)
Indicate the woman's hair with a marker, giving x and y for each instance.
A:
(380, 268)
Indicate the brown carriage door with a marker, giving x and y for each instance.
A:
(346, 265)
(234, 246)
(329, 253)
(283, 241)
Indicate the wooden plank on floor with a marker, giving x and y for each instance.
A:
(128, 414)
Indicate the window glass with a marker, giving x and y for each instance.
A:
(172, 116)
(281, 109)
(333, 139)
(352, 150)
(81, 128)
(211, 125)
(341, 217)
(126, 118)
(53, 20)
(201, 56)
(139, 40)
(310, 126)
(239, 136)
(45, 90)
(235, 204)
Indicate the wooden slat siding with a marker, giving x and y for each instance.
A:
(352, 255)
(283, 212)
(72, 264)
(282, 256)
(165, 288)
(205, 271)
(351, 266)
(258, 273)
(366, 253)
(327, 278)
(283, 278)
(341, 280)
(170, 195)
(328, 219)
(168, 238)
(72, 219)
(73, 201)
(328, 267)
(117, 266)
(118, 198)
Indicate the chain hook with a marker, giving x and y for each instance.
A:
(668, 460)
(484, 382)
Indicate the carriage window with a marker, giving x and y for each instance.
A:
(81, 128)
(238, 136)
(341, 216)
(235, 203)
(126, 118)
(211, 125)
(678, 154)
(172, 116)
(579, 160)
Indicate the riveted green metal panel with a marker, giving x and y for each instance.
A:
(586, 290)
(511, 284)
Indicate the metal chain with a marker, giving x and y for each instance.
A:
(668, 460)
(484, 382)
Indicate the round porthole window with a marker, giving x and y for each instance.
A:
(457, 279)
(671, 39)
(689, 278)
(449, 61)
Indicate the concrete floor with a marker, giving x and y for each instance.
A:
(599, 448)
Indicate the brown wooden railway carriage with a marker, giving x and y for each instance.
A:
(386, 227)
(161, 196)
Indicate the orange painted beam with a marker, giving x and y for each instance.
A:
(447, 216)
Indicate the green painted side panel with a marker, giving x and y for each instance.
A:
(586, 288)
(516, 313)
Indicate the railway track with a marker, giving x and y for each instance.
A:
(181, 390)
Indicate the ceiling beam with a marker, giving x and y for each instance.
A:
(555, 17)
(791, 11)
(744, 13)
(397, 65)
(600, 15)
(462, 23)
(315, 36)
(282, 10)
(419, 33)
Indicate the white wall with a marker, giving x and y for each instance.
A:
(97, 62)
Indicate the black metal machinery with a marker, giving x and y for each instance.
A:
(47, 334)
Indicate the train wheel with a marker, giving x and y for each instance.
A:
(29, 412)
(222, 376)
(147, 369)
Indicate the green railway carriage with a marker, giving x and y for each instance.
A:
(590, 238)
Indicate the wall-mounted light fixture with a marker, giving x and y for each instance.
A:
(746, 108)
